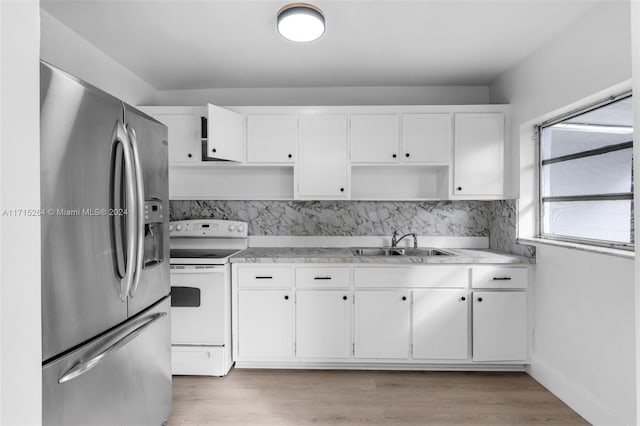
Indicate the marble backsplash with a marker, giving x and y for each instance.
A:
(502, 229)
(345, 218)
(365, 218)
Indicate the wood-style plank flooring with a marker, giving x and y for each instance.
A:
(322, 397)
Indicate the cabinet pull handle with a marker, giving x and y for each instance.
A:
(286, 297)
(341, 189)
(459, 188)
(328, 277)
(501, 278)
(404, 297)
(407, 155)
(479, 299)
(344, 297)
(394, 155)
(263, 277)
(213, 150)
(189, 155)
(463, 298)
(289, 155)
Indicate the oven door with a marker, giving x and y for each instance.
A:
(200, 304)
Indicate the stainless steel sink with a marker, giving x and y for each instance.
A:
(397, 251)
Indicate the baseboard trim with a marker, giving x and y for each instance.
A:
(380, 366)
(592, 409)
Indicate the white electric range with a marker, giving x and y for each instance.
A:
(201, 294)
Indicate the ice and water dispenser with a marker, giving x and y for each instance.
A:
(153, 233)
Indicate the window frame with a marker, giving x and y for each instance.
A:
(598, 197)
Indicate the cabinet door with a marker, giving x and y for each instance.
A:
(272, 138)
(382, 324)
(265, 324)
(323, 324)
(499, 326)
(426, 138)
(184, 136)
(440, 319)
(374, 138)
(322, 157)
(478, 154)
(225, 134)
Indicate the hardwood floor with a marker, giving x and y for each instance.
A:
(322, 397)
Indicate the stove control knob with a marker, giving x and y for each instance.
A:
(170, 228)
(240, 228)
(178, 227)
(232, 227)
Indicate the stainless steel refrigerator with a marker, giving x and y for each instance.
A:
(105, 258)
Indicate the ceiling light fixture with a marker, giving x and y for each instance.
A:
(300, 22)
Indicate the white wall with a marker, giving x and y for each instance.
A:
(584, 345)
(391, 95)
(635, 44)
(20, 341)
(67, 50)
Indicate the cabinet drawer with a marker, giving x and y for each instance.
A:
(265, 277)
(499, 277)
(322, 277)
(412, 276)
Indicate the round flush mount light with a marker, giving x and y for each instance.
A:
(300, 22)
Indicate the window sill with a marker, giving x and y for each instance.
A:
(583, 247)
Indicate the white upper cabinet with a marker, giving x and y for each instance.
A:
(374, 138)
(225, 134)
(426, 138)
(185, 131)
(272, 138)
(478, 155)
(322, 168)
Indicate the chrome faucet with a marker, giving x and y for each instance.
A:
(395, 240)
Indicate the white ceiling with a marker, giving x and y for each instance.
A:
(218, 44)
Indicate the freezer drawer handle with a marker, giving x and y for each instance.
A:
(327, 277)
(82, 367)
(502, 278)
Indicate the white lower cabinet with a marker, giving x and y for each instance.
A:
(265, 324)
(318, 315)
(382, 324)
(499, 326)
(440, 324)
(323, 324)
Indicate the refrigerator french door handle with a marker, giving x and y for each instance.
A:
(124, 261)
(140, 213)
(110, 347)
(132, 214)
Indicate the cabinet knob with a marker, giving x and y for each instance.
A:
(463, 298)
(404, 297)
(213, 150)
(344, 297)
(189, 155)
(341, 189)
(407, 155)
(479, 299)
(289, 155)
(394, 155)
(459, 188)
(286, 297)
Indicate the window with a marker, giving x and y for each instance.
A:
(586, 176)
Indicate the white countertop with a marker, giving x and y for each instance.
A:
(344, 255)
